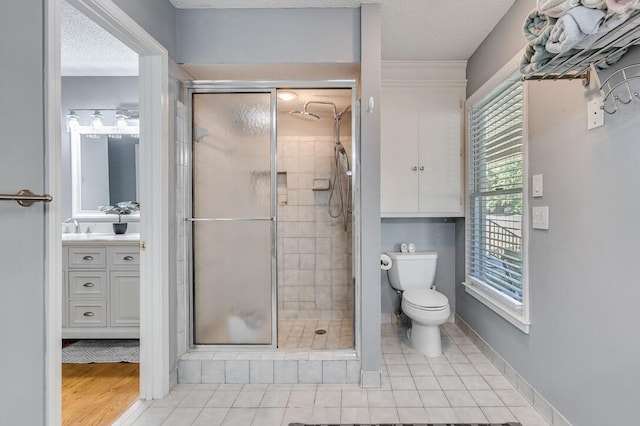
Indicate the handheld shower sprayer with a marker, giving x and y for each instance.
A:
(341, 184)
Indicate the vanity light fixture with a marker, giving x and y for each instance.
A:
(72, 120)
(96, 120)
(121, 119)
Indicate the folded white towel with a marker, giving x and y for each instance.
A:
(621, 6)
(573, 27)
(556, 8)
(594, 4)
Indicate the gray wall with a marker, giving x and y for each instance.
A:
(22, 258)
(209, 36)
(86, 93)
(370, 193)
(582, 351)
(499, 46)
(426, 234)
(157, 17)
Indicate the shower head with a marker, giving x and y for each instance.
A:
(304, 115)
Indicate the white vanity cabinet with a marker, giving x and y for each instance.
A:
(101, 295)
(421, 142)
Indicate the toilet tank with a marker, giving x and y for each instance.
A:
(412, 270)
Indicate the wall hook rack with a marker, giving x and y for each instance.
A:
(617, 89)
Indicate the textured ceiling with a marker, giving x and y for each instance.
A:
(411, 29)
(88, 50)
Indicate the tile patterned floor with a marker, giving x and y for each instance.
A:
(301, 334)
(461, 386)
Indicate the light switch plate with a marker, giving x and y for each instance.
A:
(540, 217)
(536, 186)
(595, 114)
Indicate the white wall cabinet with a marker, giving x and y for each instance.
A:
(101, 296)
(421, 149)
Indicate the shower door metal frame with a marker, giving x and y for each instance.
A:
(197, 87)
(272, 86)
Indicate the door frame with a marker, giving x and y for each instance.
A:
(212, 86)
(154, 184)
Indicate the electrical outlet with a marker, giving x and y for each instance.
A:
(540, 217)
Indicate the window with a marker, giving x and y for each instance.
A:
(496, 272)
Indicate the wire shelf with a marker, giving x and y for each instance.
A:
(577, 64)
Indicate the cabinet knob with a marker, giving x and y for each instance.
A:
(128, 258)
(414, 168)
(88, 285)
(88, 314)
(422, 168)
(87, 258)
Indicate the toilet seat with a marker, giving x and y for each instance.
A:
(425, 299)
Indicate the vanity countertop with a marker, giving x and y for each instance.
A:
(93, 238)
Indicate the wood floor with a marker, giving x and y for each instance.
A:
(97, 394)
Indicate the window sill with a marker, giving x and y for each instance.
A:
(514, 317)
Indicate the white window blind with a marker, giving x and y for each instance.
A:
(496, 169)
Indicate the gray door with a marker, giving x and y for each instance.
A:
(233, 218)
(22, 233)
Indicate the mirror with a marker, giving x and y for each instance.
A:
(104, 169)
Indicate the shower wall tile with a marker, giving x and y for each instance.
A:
(307, 213)
(313, 247)
(307, 294)
(291, 261)
(334, 371)
(323, 245)
(307, 197)
(323, 261)
(189, 371)
(290, 245)
(237, 371)
(307, 277)
(306, 164)
(213, 371)
(307, 245)
(291, 293)
(308, 261)
(309, 371)
(323, 277)
(285, 371)
(261, 371)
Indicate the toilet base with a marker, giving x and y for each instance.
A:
(425, 339)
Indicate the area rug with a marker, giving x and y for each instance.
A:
(101, 351)
(406, 424)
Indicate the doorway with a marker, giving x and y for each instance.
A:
(154, 317)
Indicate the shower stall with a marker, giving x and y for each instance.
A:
(271, 216)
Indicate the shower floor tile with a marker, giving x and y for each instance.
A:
(315, 334)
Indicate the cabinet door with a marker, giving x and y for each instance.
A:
(440, 171)
(399, 122)
(125, 299)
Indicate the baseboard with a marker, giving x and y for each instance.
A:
(532, 396)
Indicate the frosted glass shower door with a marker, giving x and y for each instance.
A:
(233, 218)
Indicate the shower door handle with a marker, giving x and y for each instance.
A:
(228, 219)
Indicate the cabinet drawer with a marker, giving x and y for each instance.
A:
(88, 314)
(87, 257)
(127, 258)
(87, 285)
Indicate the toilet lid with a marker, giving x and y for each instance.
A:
(428, 299)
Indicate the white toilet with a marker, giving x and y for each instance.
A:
(414, 274)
